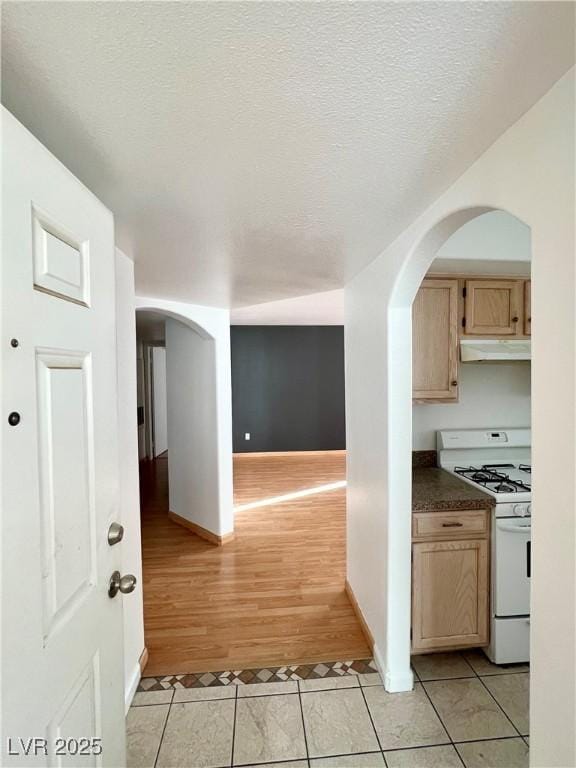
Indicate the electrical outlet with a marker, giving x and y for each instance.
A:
(246, 435)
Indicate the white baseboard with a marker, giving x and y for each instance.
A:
(393, 683)
(131, 687)
(398, 683)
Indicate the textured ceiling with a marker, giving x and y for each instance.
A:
(495, 243)
(325, 308)
(258, 151)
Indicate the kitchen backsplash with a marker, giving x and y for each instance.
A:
(423, 459)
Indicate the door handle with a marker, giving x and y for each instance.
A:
(509, 528)
(124, 584)
(115, 533)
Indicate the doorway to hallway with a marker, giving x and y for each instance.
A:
(151, 385)
(274, 595)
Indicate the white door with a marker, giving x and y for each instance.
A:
(159, 400)
(62, 667)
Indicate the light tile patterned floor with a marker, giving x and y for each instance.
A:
(463, 711)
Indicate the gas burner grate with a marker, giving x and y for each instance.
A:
(488, 477)
(525, 468)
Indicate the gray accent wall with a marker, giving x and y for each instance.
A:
(288, 388)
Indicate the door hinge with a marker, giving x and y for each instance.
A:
(463, 322)
(464, 292)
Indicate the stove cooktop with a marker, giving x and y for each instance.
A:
(495, 461)
(499, 478)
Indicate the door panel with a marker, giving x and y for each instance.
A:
(494, 307)
(79, 714)
(62, 664)
(435, 341)
(61, 264)
(66, 469)
(449, 594)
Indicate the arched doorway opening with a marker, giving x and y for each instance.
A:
(256, 600)
(185, 458)
(414, 426)
(182, 380)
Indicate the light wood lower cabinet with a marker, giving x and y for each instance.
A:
(450, 587)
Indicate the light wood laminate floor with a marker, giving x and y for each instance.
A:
(274, 595)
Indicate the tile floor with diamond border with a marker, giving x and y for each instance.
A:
(463, 711)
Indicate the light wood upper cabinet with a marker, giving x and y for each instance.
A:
(450, 594)
(493, 307)
(444, 310)
(435, 341)
(528, 308)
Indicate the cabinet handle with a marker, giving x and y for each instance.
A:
(454, 383)
(451, 525)
(515, 319)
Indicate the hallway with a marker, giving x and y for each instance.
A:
(272, 596)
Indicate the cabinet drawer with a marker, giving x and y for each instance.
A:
(450, 525)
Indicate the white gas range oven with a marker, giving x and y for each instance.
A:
(497, 461)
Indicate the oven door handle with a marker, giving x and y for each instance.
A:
(509, 528)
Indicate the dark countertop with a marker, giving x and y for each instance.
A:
(434, 490)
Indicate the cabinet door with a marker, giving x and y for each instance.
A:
(527, 308)
(450, 594)
(494, 307)
(435, 341)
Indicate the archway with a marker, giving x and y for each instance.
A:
(200, 468)
(198, 384)
(156, 307)
(399, 473)
(524, 173)
(188, 488)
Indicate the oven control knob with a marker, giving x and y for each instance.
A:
(519, 510)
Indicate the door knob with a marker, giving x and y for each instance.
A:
(124, 584)
(115, 533)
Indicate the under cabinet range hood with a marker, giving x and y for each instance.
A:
(493, 350)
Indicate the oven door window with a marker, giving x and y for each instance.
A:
(512, 567)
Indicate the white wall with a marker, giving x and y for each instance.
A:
(160, 400)
(529, 172)
(491, 395)
(193, 457)
(199, 397)
(129, 485)
(495, 236)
